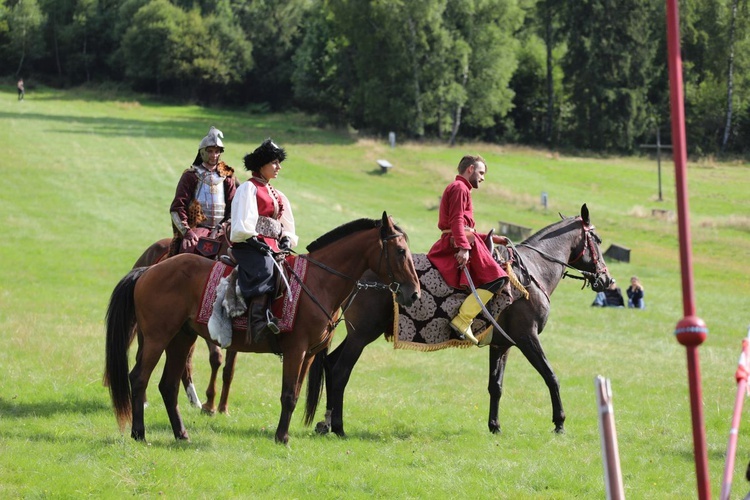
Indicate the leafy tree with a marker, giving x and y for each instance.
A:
(608, 67)
(197, 55)
(273, 27)
(25, 43)
(320, 77)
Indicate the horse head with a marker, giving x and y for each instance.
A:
(586, 254)
(399, 269)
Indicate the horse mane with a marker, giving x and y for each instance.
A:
(547, 232)
(343, 230)
(347, 229)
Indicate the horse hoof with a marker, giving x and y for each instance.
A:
(282, 439)
(559, 429)
(207, 410)
(495, 429)
(322, 428)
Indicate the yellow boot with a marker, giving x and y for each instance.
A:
(468, 311)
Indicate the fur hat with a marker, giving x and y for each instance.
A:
(265, 153)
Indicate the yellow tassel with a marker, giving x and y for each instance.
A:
(514, 281)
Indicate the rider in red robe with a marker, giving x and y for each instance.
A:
(460, 245)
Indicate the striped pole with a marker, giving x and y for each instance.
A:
(741, 375)
(690, 331)
(608, 436)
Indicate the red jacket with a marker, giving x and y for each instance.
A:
(455, 219)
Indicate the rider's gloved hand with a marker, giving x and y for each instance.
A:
(285, 243)
(189, 240)
(261, 246)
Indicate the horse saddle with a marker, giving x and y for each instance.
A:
(425, 325)
(226, 309)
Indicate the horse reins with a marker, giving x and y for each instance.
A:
(587, 243)
(393, 287)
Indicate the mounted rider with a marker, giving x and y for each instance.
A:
(202, 200)
(460, 245)
(263, 223)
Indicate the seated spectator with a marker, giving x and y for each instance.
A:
(611, 297)
(635, 294)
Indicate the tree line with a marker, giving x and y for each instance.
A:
(589, 74)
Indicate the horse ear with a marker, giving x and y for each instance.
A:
(585, 214)
(385, 226)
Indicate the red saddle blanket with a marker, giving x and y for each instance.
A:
(284, 307)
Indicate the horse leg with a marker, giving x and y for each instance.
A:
(226, 381)
(214, 358)
(532, 349)
(145, 361)
(368, 318)
(294, 360)
(498, 359)
(187, 381)
(169, 386)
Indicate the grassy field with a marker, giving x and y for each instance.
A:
(87, 179)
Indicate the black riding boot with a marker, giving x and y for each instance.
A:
(260, 321)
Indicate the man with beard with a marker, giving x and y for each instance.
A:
(460, 245)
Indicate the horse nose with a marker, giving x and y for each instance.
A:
(408, 299)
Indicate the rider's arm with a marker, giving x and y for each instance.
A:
(244, 213)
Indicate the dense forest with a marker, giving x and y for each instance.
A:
(589, 74)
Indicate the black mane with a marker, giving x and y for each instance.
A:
(343, 230)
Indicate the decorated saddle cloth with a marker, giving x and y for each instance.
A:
(215, 310)
(425, 325)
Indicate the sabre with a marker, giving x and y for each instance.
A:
(484, 309)
(283, 276)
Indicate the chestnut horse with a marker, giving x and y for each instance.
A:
(161, 304)
(540, 264)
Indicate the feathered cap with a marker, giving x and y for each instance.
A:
(265, 153)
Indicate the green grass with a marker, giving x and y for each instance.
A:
(87, 180)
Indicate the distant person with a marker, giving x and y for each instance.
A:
(21, 90)
(203, 198)
(611, 297)
(635, 294)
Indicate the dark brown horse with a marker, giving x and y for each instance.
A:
(541, 263)
(161, 304)
(157, 252)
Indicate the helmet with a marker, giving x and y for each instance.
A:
(213, 138)
(265, 153)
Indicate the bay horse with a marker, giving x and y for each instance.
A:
(155, 253)
(161, 303)
(540, 264)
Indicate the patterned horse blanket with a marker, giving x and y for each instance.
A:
(212, 313)
(425, 325)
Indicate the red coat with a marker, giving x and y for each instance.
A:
(456, 215)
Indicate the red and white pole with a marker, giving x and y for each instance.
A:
(690, 331)
(608, 437)
(741, 375)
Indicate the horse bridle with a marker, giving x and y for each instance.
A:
(393, 287)
(599, 266)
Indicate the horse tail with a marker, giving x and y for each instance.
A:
(120, 320)
(315, 378)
